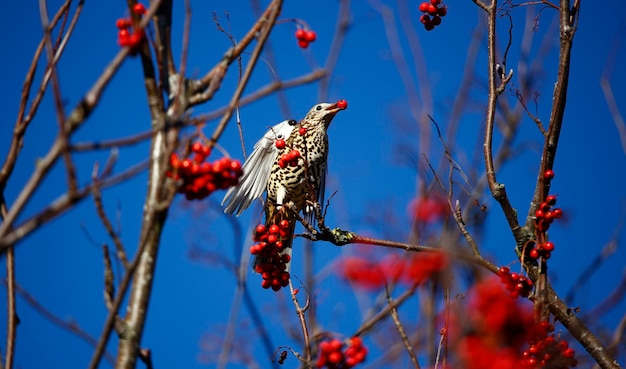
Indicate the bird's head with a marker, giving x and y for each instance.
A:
(323, 113)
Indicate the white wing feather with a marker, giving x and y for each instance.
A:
(256, 170)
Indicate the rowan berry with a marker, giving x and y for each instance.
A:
(123, 23)
(342, 104)
(548, 174)
(280, 144)
(424, 7)
(310, 36)
(139, 9)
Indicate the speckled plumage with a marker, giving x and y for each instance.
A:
(287, 184)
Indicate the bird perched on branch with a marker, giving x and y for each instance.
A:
(289, 163)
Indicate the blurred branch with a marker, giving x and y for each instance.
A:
(75, 119)
(401, 331)
(61, 205)
(266, 25)
(498, 190)
(12, 318)
(341, 29)
(22, 122)
(67, 325)
(607, 90)
(558, 109)
(97, 198)
(252, 97)
(204, 89)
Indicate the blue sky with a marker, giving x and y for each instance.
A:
(61, 264)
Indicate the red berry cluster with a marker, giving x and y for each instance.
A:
(543, 250)
(545, 214)
(290, 158)
(270, 240)
(199, 177)
(517, 285)
(305, 37)
(127, 36)
(547, 351)
(332, 357)
(434, 9)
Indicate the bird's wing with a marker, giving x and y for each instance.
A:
(256, 170)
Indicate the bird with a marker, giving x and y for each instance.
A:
(289, 164)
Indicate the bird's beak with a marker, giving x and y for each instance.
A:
(336, 107)
(333, 108)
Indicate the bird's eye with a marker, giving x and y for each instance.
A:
(318, 108)
(279, 136)
(292, 122)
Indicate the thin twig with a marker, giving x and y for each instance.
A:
(268, 24)
(302, 318)
(68, 325)
(248, 99)
(12, 319)
(401, 331)
(62, 204)
(97, 198)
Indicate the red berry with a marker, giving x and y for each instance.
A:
(557, 213)
(540, 214)
(551, 200)
(568, 353)
(310, 36)
(436, 20)
(122, 23)
(443, 11)
(272, 238)
(435, 2)
(196, 147)
(342, 104)
(432, 10)
(139, 9)
(335, 357)
(548, 246)
(284, 224)
(548, 174)
(534, 254)
(274, 229)
(280, 144)
(300, 34)
(425, 19)
(424, 7)
(260, 229)
(235, 165)
(302, 131)
(135, 39)
(123, 37)
(303, 44)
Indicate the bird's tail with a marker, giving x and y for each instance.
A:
(272, 250)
